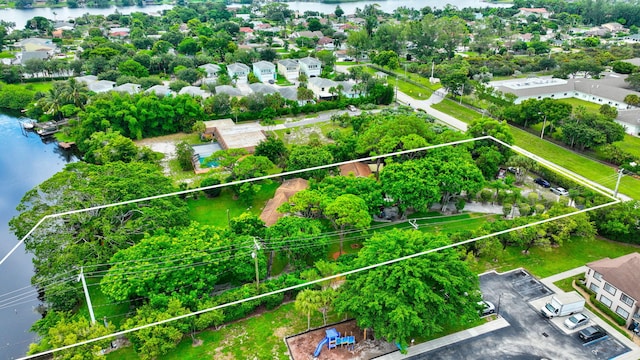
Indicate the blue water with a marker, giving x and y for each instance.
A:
(24, 163)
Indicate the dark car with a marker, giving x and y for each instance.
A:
(592, 333)
(542, 182)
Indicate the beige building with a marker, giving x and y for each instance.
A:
(615, 282)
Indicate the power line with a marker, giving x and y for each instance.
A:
(294, 287)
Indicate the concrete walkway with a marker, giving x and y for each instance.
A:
(494, 325)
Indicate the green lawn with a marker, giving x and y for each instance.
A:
(214, 211)
(591, 107)
(456, 110)
(590, 169)
(103, 306)
(542, 263)
(412, 90)
(581, 165)
(630, 144)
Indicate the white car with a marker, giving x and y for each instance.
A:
(487, 308)
(576, 320)
(559, 191)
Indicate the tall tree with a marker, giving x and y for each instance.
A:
(348, 211)
(415, 297)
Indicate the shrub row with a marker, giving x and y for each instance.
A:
(602, 307)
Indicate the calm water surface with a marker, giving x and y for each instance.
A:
(24, 163)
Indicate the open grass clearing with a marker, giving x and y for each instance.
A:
(412, 90)
(575, 103)
(456, 110)
(630, 144)
(214, 211)
(115, 312)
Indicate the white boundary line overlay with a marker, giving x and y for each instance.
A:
(553, 167)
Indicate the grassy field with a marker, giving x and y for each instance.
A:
(630, 144)
(581, 165)
(214, 211)
(103, 306)
(410, 89)
(591, 107)
(543, 263)
(590, 169)
(456, 110)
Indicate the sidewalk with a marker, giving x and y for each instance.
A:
(494, 325)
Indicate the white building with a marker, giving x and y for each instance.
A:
(264, 71)
(288, 68)
(311, 67)
(238, 72)
(211, 70)
(630, 119)
(615, 282)
(321, 87)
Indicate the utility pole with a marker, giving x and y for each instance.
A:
(544, 125)
(254, 255)
(615, 191)
(86, 295)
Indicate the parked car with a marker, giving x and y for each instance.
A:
(542, 182)
(513, 169)
(592, 333)
(576, 320)
(351, 108)
(487, 308)
(559, 191)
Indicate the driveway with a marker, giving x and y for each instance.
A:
(529, 335)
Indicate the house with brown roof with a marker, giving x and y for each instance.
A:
(615, 282)
(270, 214)
(356, 169)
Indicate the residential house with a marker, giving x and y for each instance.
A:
(194, 91)
(632, 38)
(630, 119)
(87, 79)
(613, 27)
(264, 71)
(541, 12)
(211, 70)
(311, 67)
(615, 282)
(229, 90)
(290, 187)
(238, 72)
(291, 93)
(159, 90)
(129, 88)
(35, 48)
(307, 34)
(119, 32)
(288, 68)
(25, 56)
(326, 43)
(246, 30)
(101, 86)
(260, 88)
(348, 90)
(321, 88)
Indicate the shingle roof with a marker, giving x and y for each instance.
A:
(322, 82)
(270, 215)
(238, 67)
(130, 88)
(264, 65)
(289, 92)
(288, 62)
(622, 272)
(310, 61)
(631, 117)
(260, 88)
(228, 89)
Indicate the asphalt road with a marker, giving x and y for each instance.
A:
(530, 336)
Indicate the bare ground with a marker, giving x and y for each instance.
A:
(302, 346)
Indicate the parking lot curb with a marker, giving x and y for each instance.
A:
(494, 325)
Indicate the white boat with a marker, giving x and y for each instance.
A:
(28, 125)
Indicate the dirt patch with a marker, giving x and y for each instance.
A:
(303, 346)
(165, 145)
(197, 342)
(335, 255)
(302, 135)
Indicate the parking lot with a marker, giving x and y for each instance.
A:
(529, 336)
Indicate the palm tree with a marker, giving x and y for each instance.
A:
(75, 92)
(52, 102)
(306, 302)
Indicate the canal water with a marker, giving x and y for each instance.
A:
(25, 161)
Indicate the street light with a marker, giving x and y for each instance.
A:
(498, 308)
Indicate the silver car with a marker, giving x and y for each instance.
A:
(576, 320)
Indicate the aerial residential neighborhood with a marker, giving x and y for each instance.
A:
(272, 180)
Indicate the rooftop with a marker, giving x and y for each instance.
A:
(622, 272)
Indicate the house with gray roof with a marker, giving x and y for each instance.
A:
(321, 87)
(615, 283)
(311, 67)
(129, 88)
(25, 56)
(291, 93)
(260, 88)
(160, 90)
(229, 90)
(194, 91)
(264, 71)
(630, 119)
(610, 89)
(289, 68)
(87, 79)
(211, 70)
(101, 86)
(238, 72)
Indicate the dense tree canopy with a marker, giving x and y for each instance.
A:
(92, 237)
(415, 297)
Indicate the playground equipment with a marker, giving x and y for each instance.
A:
(333, 339)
